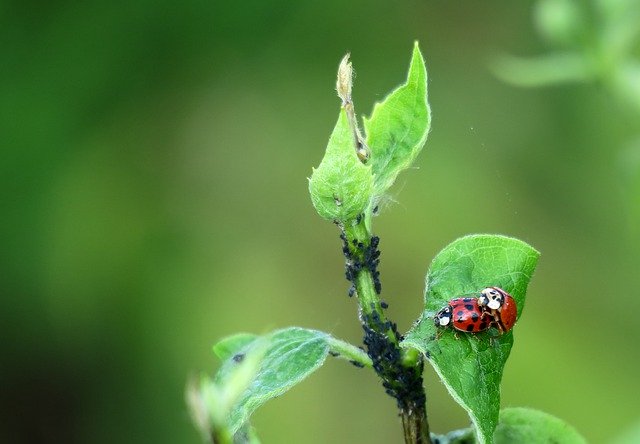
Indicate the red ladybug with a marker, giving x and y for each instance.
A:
(500, 306)
(464, 314)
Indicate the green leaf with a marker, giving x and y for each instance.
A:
(549, 69)
(520, 425)
(246, 435)
(230, 345)
(398, 127)
(471, 365)
(561, 22)
(291, 355)
(341, 187)
(211, 402)
(629, 435)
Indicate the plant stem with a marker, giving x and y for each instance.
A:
(347, 351)
(415, 425)
(399, 369)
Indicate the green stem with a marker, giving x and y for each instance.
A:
(400, 369)
(411, 357)
(350, 352)
(359, 241)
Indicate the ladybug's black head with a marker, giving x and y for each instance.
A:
(443, 317)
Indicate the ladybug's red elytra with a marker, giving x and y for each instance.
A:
(500, 306)
(464, 314)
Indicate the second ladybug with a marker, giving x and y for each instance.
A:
(499, 304)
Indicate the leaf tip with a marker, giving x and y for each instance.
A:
(344, 83)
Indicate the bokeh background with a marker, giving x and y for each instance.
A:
(154, 199)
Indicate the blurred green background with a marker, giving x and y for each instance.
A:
(154, 199)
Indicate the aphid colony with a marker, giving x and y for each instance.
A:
(493, 308)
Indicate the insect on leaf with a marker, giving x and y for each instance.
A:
(471, 364)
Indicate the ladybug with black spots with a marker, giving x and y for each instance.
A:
(501, 306)
(464, 314)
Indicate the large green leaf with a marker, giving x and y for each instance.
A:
(398, 127)
(291, 355)
(471, 365)
(523, 425)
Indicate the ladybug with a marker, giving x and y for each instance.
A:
(500, 306)
(463, 314)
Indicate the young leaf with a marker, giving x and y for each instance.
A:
(398, 127)
(256, 369)
(470, 365)
(534, 427)
(211, 403)
(341, 187)
(291, 355)
(228, 346)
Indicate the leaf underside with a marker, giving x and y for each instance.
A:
(292, 354)
(471, 365)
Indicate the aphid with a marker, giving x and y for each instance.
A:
(502, 308)
(463, 314)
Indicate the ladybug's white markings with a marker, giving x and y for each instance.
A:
(491, 298)
(443, 318)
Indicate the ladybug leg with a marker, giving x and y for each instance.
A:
(495, 316)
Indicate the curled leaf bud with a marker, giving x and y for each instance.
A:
(342, 185)
(344, 83)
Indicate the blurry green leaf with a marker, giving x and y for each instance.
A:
(625, 82)
(256, 369)
(523, 425)
(619, 29)
(544, 70)
(628, 172)
(341, 187)
(211, 402)
(630, 435)
(471, 365)
(246, 435)
(197, 405)
(228, 346)
(398, 127)
(561, 22)
(291, 355)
